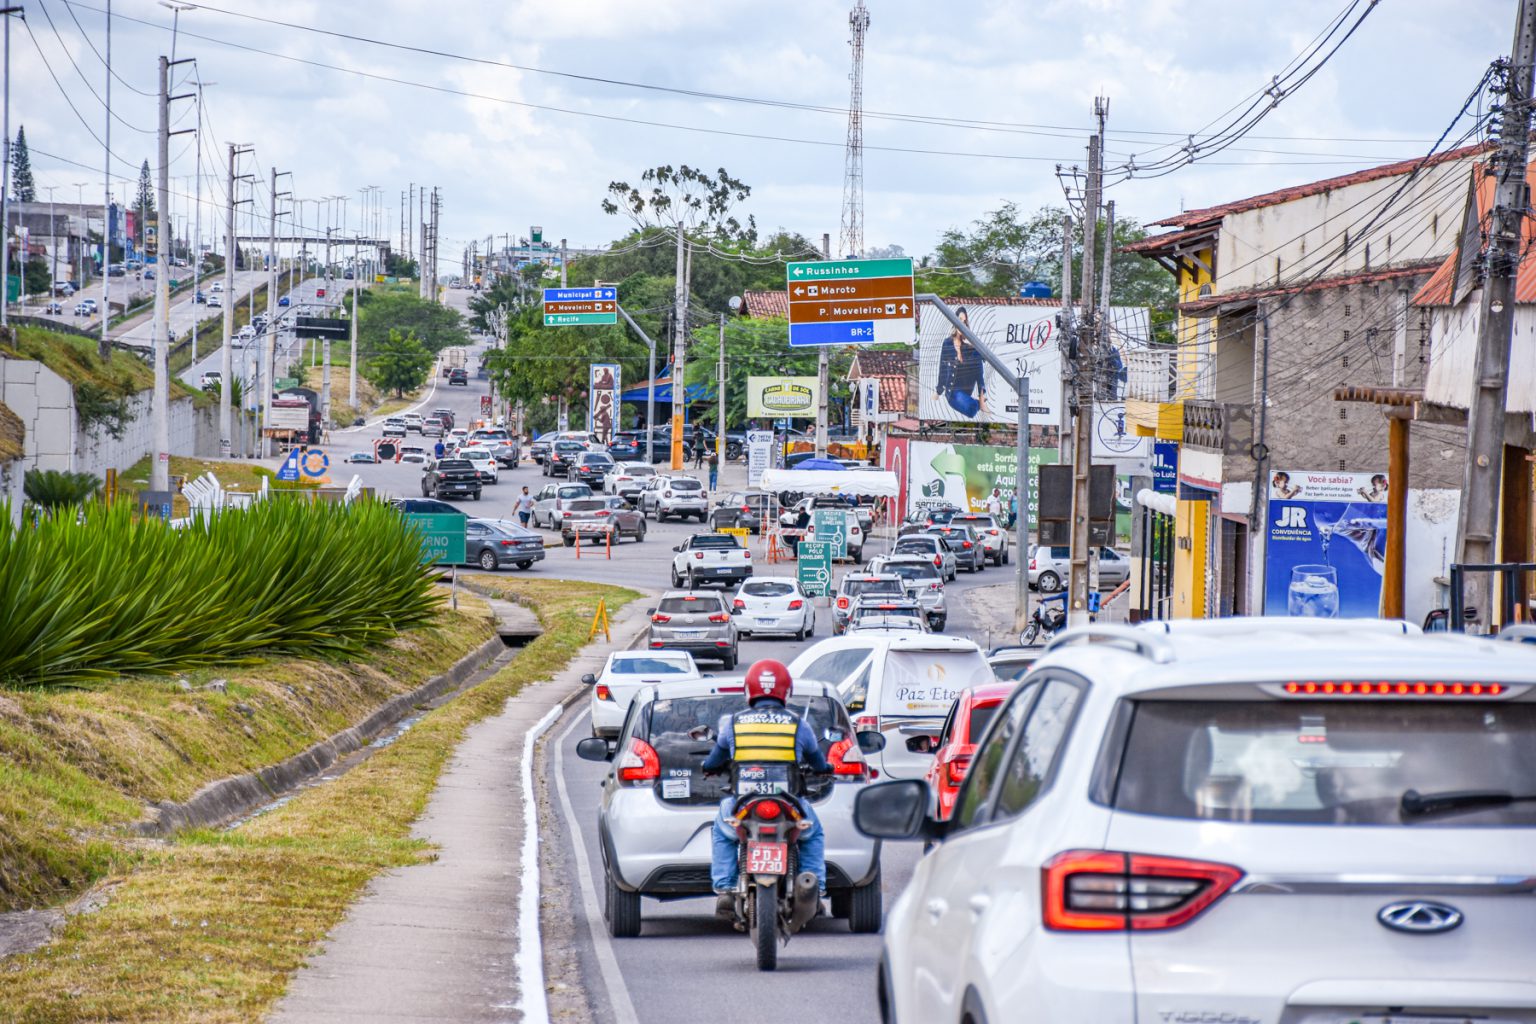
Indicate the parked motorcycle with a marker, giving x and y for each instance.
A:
(1048, 619)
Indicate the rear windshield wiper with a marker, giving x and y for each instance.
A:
(1415, 804)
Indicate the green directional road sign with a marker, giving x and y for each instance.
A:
(814, 569)
(573, 307)
(578, 319)
(851, 302)
(442, 536)
(831, 526)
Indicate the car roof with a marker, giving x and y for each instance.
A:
(1241, 651)
(711, 686)
(693, 593)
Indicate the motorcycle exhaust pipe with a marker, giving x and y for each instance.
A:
(807, 901)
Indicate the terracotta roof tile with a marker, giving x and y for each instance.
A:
(1437, 291)
(1171, 238)
(1213, 302)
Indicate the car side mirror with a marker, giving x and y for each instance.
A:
(856, 704)
(889, 810)
(735, 610)
(589, 679)
(594, 748)
(650, 611)
(871, 742)
(678, 548)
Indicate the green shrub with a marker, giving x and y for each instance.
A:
(52, 488)
(105, 592)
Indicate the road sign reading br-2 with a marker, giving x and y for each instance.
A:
(573, 307)
(851, 302)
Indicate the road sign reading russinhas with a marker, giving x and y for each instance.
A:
(573, 307)
(851, 302)
(442, 536)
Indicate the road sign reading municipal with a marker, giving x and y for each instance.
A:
(442, 536)
(814, 569)
(573, 307)
(851, 302)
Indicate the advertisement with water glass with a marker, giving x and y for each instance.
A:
(1327, 544)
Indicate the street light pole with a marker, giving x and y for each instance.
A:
(5, 182)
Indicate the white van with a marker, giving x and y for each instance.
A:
(901, 686)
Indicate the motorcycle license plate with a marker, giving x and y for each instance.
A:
(767, 858)
(762, 780)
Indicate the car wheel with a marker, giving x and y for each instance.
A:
(526, 563)
(677, 583)
(729, 661)
(622, 911)
(810, 627)
(477, 495)
(1049, 582)
(661, 515)
(953, 573)
(937, 625)
(977, 565)
(640, 532)
(488, 560)
(1005, 556)
(569, 541)
(866, 907)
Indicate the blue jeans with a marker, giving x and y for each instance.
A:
(722, 861)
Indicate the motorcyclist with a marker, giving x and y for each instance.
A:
(764, 732)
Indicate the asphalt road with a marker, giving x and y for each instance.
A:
(185, 312)
(244, 365)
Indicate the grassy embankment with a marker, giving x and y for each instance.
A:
(234, 475)
(208, 928)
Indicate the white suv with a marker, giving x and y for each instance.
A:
(1282, 820)
(680, 496)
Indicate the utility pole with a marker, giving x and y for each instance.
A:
(563, 262)
(352, 385)
(1480, 501)
(823, 372)
(650, 383)
(1083, 368)
(720, 400)
(159, 407)
(104, 348)
(197, 213)
(5, 184)
(679, 336)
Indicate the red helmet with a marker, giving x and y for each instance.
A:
(768, 678)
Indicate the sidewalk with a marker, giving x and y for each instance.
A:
(441, 941)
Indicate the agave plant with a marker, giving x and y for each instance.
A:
(106, 593)
(51, 488)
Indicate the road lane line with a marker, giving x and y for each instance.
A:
(530, 944)
(602, 945)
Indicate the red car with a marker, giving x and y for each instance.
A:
(967, 720)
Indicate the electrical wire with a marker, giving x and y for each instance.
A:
(91, 88)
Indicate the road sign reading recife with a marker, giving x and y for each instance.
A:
(442, 536)
(814, 568)
(851, 302)
(570, 307)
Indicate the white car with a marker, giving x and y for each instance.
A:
(215, 299)
(413, 421)
(627, 479)
(774, 604)
(623, 676)
(1287, 820)
(414, 458)
(484, 461)
(680, 496)
(218, 286)
(901, 686)
(458, 435)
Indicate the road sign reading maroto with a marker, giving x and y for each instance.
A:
(574, 307)
(851, 302)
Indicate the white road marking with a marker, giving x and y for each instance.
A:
(530, 944)
(602, 945)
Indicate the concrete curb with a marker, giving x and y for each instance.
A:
(230, 797)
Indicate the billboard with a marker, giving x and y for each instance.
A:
(954, 383)
(602, 399)
(1327, 544)
(776, 397)
(966, 474)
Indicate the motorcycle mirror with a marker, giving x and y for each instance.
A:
(594, 748)
(871, 742)
(589, 679)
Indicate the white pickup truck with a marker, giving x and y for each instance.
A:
(710, 558)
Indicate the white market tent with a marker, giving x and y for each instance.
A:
(876, 483)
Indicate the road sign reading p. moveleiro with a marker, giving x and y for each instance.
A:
(572, 307)
(851, 302)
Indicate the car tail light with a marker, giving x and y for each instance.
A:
(842, 602)
(747, 555)
(699, 555)
(768, 810)
(639, 763)
(746, 509)
(938, 561)
(667, 494)
(1399, 688)
(507, 543)
(846, 759)
(720, 617)
(955, 767)
(739, 603)
(992, 532)
(603, 693)
(1099, 891)
(1031, 563)
(661, 617)
(605, 512)
(866, 723)
(796, 605)
(965, 545)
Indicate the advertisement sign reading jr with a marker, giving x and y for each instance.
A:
(1327, 544)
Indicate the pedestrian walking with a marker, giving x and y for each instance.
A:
(714, 469)
(995, 504)
(698, 453)
(524, 506)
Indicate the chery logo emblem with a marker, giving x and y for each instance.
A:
(1419, 918)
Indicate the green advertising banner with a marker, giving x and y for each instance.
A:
(965, 475)
(442, 536)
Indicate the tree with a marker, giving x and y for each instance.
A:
(384, 309)
(399, 364)
(144, 202)
(396, 265)
(35, 279)
(685, 199)
(23, 186)
(51, 489)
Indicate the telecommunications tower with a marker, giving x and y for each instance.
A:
(851, 238)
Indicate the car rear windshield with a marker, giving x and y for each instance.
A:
(682, 730)
(1326, 762)
(596, 459)
(451, 465)
(714, 540)
(858, 588)
(980, 522)
(587, 505)
(575, 491)
(685, 485)
(703, 605)
(921, 544)
(869, 611)
(648, 666)
(767, 589)
(914, 570)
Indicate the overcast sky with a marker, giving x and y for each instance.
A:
(1031, 68)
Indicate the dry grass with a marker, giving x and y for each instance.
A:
(235, 475)
(341, 382)
(209, 929)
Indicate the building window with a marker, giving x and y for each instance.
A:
(1343, 440)
(1344, 360)
(1341, 465)
(1343, 412)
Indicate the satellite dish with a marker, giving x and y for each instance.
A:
(735, 303)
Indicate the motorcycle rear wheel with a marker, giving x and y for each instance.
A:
(765, 926)
(1030, 632)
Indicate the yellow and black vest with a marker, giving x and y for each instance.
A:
(764, 734)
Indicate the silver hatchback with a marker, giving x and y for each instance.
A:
(658, 808)
(696, 621)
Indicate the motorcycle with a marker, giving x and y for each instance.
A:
(1048, 619)
(774, 899)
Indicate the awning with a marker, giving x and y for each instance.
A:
(695, 392)
(874, 483)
